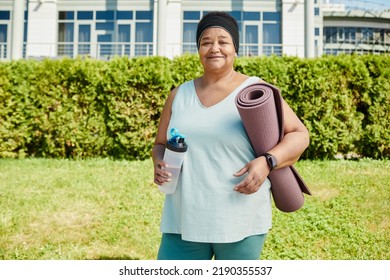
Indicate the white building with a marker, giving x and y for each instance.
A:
(105, 28)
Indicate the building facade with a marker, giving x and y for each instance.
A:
(356, 31)
(106, 28)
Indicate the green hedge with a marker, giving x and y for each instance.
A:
(79, 108)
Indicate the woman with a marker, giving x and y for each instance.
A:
(222, 205)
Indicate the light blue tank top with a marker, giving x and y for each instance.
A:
(205, 208)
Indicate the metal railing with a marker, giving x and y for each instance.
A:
(108, 50)
(250, 49)
(3, 51)
(357, 48)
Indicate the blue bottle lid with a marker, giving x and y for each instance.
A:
(177, 142)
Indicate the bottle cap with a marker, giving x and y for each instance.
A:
(177, 142)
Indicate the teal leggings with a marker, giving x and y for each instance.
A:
(172, 247)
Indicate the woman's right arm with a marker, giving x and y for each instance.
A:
(161, 176)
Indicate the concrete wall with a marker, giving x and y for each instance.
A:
(42, 28)
(293, 29)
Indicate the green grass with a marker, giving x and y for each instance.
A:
(104, 209)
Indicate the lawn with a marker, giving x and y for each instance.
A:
(104, 209)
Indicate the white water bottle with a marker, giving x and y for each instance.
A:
(175, 150)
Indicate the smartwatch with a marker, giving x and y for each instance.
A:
(271, 161)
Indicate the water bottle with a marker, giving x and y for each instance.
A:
(175, 150)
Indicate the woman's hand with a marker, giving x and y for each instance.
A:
(257, 171)
(161, 176)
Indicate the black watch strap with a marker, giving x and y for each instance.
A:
(271, 161)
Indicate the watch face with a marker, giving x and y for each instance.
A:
(271, 160)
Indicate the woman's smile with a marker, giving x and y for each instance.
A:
(215, 56)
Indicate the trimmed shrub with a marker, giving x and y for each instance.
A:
(79, 108)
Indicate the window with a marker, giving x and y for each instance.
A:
(191, 16)
(252, 40)
(350, 35)
(124, 33)
(253, 27)
(339, 35)
(330, 35)
(271, 16)
(85, 15)
(271, 38)
(189, 33)
(190, 23)
(251, 15)
(5, 15)
(124, 14)
(379, 36)
(144, 33)
(367, 35)
(65, 38)
(105, 15)
(4, 33)
(84, 36)
(271, 33)
(148, 15)
(104, 34)
(142, 36)
(66, 33)
(353, 40)
(66, 15)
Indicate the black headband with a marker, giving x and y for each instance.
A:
(218, 21)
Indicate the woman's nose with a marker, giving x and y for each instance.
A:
(214, 47)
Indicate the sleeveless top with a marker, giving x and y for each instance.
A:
(204, 207)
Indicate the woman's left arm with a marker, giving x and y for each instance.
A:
(287, 152)
(295, 140)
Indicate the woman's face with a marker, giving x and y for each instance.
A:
(216, 49)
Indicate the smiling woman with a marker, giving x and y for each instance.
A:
(222, 207)
(217, 51)
(230, 25)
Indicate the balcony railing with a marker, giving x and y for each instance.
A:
(355, 47)
(104, 51)
(108, 50)
(3, 51)
(249, 49)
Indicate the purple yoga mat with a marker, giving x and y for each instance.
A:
(261, 111)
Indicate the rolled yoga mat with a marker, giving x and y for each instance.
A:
(261, 111)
